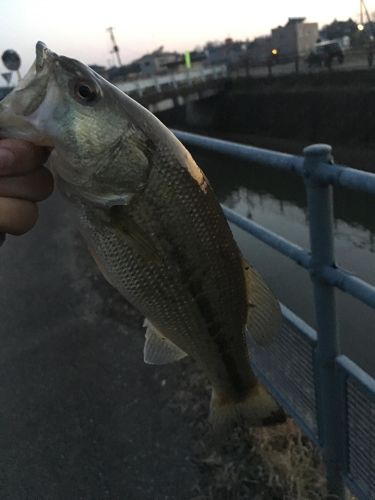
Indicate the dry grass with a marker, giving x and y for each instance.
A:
(269, 463)
(291, 462)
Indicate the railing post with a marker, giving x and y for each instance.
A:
(139, 88)
(157, 84)
(174, 82)
(320, 207)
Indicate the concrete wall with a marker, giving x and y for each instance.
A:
(339, 112)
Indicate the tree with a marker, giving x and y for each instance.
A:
(339, 29)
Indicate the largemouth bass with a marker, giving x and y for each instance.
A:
(153, 225)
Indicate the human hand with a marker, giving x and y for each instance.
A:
(23, 182)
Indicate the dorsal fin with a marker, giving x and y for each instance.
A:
(263, 315)
(158, 350)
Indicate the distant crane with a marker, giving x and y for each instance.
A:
(363, 8)
(115, 49)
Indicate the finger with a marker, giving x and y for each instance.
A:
(35, 186)
(17, 216)
(18, 156)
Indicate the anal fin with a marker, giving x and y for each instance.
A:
(158, 350)
(264, 315)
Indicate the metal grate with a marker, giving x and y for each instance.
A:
(361, 437)
(287, 366)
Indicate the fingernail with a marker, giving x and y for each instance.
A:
(6, 159)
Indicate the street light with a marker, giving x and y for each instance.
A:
(360, 27)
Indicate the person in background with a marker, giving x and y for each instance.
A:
(23, 182)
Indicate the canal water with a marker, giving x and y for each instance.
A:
(277, 200)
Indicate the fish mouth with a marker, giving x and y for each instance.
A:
(43, 56)
(17, 108)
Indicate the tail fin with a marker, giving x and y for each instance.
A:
(257, 409)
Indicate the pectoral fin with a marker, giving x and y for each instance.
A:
(158, 350)
(264, 315)
(107, 200)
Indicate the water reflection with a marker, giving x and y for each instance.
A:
(282, 186)
(277, 200)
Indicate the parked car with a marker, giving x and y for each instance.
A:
(324, 53)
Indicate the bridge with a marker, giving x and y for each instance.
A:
(163, 92)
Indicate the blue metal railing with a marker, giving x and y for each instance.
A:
(329, 396)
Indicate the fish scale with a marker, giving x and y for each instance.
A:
(203, 223)
(144, 286)
(194, 216)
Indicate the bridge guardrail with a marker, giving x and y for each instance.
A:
(329, 396)
(172, 80)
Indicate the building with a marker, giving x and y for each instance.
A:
(339, 29)
(216, 54)
(296, 38)
(230, 52)
(157, 62)
(198, 60)
(130, 71)
(259, 50)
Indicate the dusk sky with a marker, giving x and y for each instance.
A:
(78, 28)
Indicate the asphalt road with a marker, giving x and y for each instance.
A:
(81, 415)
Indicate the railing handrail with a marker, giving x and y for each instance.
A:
(172, 79)
(333, 275)
(331, 370)
(334, 174)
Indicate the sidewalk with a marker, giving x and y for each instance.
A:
(81, 415)
(83, 418)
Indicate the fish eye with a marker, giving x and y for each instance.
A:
(85, 92)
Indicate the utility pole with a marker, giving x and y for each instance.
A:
(115, 49)
(364, 8)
